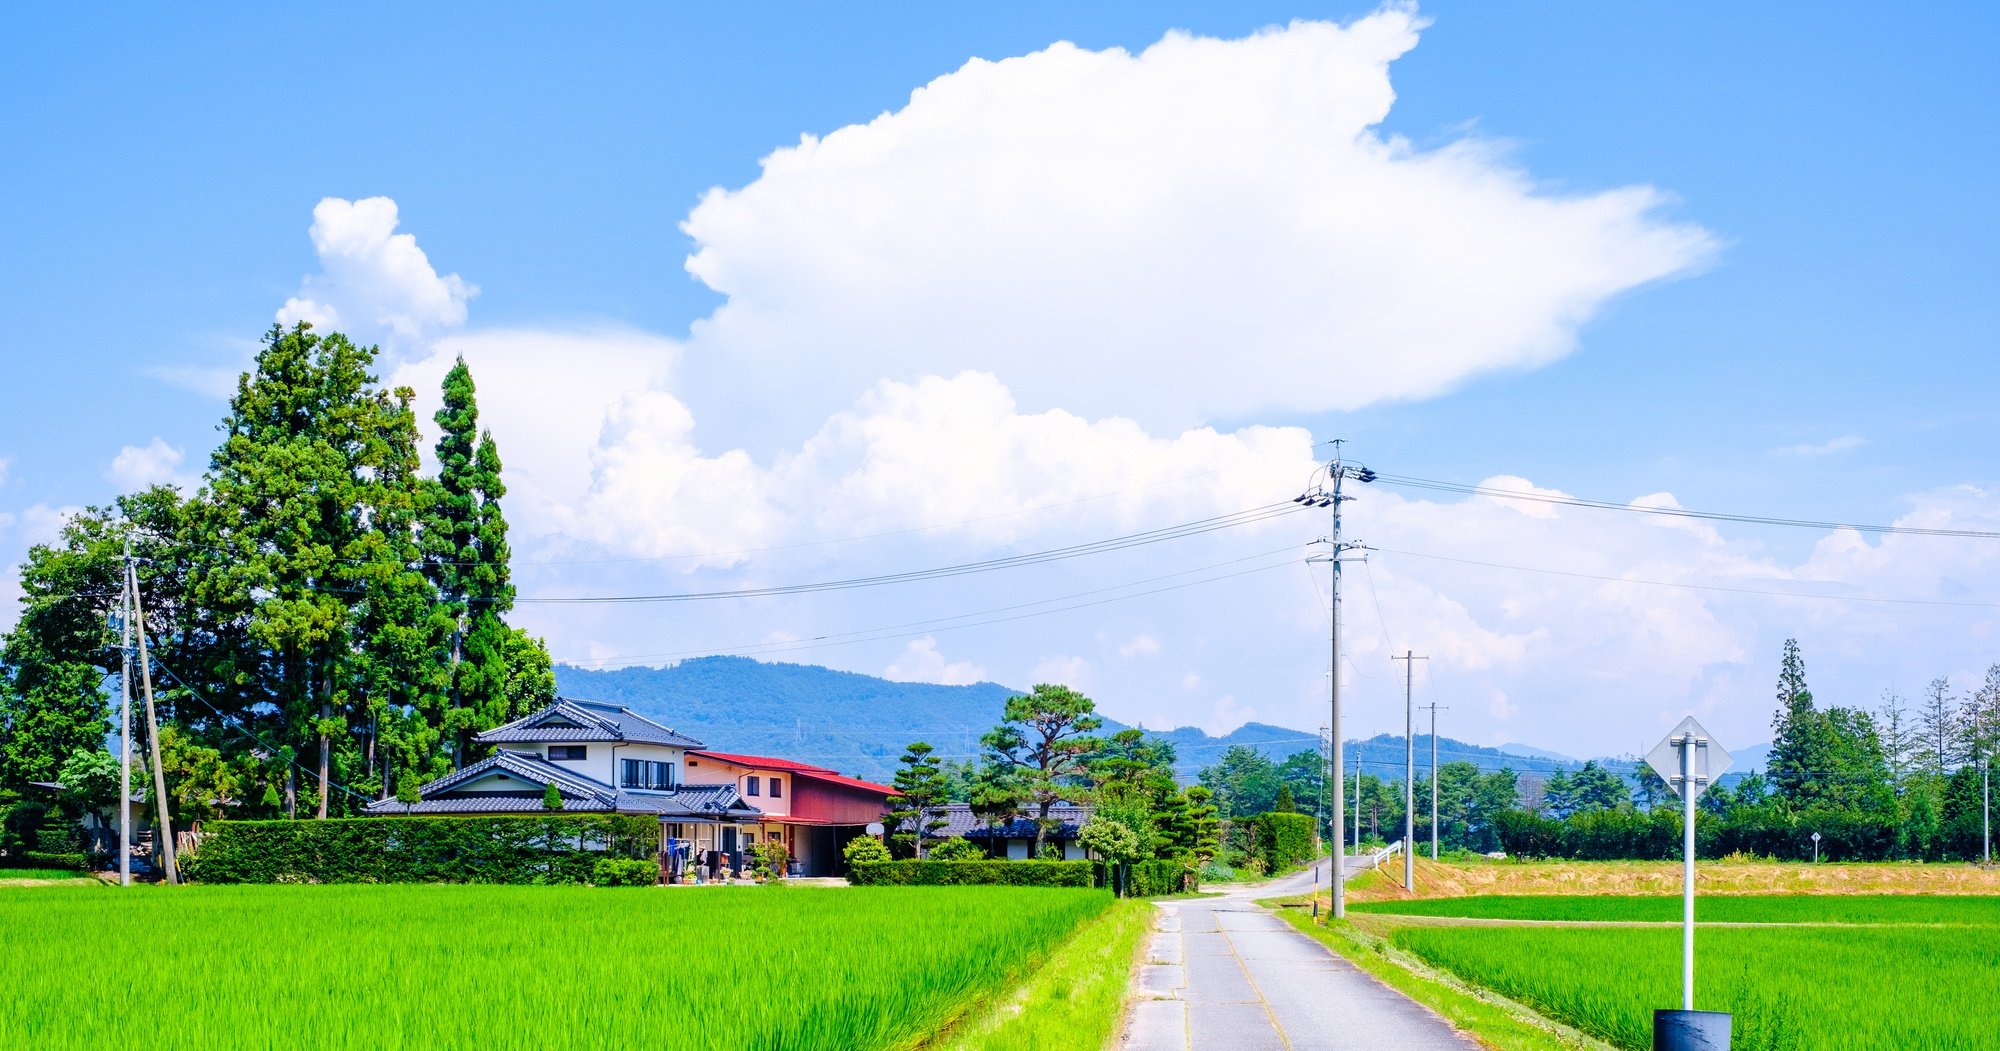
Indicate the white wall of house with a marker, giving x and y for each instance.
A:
(1018, 849)
(702, 770)
(601, 758)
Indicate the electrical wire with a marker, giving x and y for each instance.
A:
(1407, 482)
(1122, 543)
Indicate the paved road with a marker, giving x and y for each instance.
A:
(1222, 973)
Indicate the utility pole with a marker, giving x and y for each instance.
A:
(1410, 659)
(1433, 708)
(1357, 800)
(152, 727)
(125, 726)
(1328, 494)
(1986, 806)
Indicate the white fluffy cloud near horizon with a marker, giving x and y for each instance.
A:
(1009, 313)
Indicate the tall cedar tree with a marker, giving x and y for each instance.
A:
(1796, 735)
(290, 525)
(496, 673)
(1046, 737)
(921, 792)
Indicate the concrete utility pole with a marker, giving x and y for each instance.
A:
(1433, 707)
(1328, 494)
(1357, 800)
(125, 727)
(152, 727)
(1986, 806)
(1410, 659)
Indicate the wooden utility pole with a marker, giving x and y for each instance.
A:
(152, 728)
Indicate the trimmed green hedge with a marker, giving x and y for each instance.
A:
(1284, 839)
(1149, 879)
(624, 872)
(964, 873)
(43, 859)
(558, 848)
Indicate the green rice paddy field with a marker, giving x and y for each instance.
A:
(427, 966)
(1832, 972)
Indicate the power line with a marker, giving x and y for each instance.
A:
(1406, 482)
(1693, 587)
(1122, 543)
(754, 647)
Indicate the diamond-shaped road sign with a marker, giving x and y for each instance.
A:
(1710, 761)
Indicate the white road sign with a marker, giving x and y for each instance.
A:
(1710, 761)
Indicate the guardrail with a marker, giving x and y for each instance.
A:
(1376, 859)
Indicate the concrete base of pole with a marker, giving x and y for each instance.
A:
(1690, 1031)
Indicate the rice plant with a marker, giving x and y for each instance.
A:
(335, 967)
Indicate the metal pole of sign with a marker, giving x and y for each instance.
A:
(1690, 761)
(1687, 874)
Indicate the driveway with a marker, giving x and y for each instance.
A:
(1224, 973)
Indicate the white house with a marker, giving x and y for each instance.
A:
(1015, 839)
(601, 757)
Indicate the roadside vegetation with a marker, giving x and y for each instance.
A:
(449, 966)
(1074, 996)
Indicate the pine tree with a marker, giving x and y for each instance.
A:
(1939, 733)
(1898, 737)
(921, 793)
(1797, 729)
(1284, 804)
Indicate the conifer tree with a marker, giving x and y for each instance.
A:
(920, 795)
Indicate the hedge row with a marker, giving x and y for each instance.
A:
(558, 848)
(1149, 879)
(1628, 834)
(42, 859)
(965, 873)
(1283, 840)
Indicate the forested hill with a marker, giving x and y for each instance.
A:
(858, 724)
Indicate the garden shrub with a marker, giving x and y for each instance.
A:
(1284, 840)
(624, 872)
(557, 848)
(966, 873)
(864, 850)
(957, 849)
(1151, 878)
(44, 859)
(771, 860)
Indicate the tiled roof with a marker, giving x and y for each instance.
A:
(961, 821)
(590, 721)
(579, 793)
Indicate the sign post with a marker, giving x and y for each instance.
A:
(1815, 848)
(1689, 760)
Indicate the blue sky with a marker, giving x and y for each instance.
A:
(1825, 352)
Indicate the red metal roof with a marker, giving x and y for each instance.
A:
(850, 782)
(764, 762)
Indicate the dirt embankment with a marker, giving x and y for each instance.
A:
(1454, 880)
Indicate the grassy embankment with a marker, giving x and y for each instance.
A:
(1071, 999)
(23, 877)
(1849, 956)
(332, 967)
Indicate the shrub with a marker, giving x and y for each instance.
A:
(1151, 878)
(771, 859)
(963, 873)
(1284, 840)
(1109, 840)
(556, 848)
(865, 850)
(44, 859)
(624, 872)
(957, 849)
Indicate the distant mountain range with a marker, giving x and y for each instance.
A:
(859, 724)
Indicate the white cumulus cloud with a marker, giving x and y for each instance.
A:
(375, 284)
(1825, 448)
(920, 661)
(138, 466)
(1141, 645)
(1186, 233)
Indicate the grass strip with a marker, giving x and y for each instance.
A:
(1493, 1020)
(1940, 910)
(1072, 999)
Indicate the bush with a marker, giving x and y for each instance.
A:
(624, 872)
(957, 849)
(1150, 879)
(1284, 840)
(771, 860)
(557, 848)
(864, 850)
(966, 873)
(43, 859)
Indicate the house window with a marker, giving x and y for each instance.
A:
(567, 751)
(777, 789)
(750, 785)
(644, 773)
